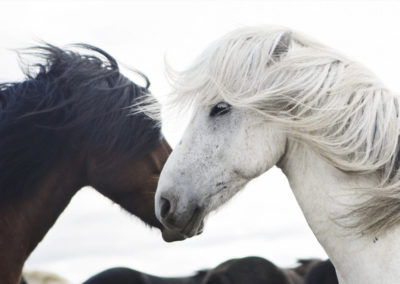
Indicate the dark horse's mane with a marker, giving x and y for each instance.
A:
(73, 103)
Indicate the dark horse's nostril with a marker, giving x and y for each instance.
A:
(165, 207)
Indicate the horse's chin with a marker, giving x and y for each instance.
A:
(173, 235)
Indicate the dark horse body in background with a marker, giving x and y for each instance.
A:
(322, 273)
(252, 270)
(69, 126)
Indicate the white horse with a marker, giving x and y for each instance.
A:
(269, 96)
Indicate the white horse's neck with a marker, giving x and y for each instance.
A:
(320, 190)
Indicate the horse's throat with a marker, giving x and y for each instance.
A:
(24, 223)
(325, 194)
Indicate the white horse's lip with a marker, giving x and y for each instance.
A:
(172, 235)
(195, 225)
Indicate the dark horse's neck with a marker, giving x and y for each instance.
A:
(23, 224)
(70, 125)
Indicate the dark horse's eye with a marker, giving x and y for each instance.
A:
(220, 108)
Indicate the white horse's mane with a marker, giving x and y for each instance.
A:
(322, 98)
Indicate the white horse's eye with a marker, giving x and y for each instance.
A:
(220, 108)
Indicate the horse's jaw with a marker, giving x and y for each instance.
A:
(324, 194)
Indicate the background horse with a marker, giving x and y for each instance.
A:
(322, 273)
(254, 270)
(270, 96)
(71, 125)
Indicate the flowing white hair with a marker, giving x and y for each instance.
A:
(319, 96)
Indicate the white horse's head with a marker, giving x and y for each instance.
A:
(223, 148)
(254, 92)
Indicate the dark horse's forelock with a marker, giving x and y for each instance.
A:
(74, 104)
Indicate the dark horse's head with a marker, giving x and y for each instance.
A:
(80, 111)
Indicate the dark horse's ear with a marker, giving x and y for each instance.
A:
(282, 45)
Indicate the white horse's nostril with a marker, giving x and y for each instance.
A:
(165, 206)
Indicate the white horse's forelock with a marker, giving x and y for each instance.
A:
(319, 96)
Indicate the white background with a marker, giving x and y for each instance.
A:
(264, 219)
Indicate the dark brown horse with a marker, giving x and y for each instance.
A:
(252, 270)
(322, 273)
(71, 125)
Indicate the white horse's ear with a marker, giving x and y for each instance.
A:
(282, 46)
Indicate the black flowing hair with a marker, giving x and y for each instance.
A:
(73, 104)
